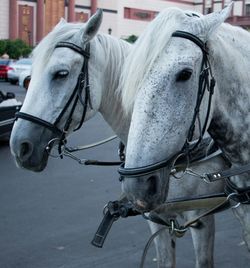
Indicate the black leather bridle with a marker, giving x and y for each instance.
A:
(206, 82)
(75, 98)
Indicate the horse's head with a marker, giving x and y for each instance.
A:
(58, 99)
(167, 69)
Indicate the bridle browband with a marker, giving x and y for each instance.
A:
(189, 146)
(75, 98)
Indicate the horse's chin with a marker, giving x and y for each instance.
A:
(33, 164)
(144, 207)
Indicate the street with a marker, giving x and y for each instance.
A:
(48, 219)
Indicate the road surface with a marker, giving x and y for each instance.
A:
(48, 219)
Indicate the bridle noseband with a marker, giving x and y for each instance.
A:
(75, 98)
(189, 146)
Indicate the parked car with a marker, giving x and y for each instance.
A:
(4, 67)
(8, 107)
(24, 79)
(18, 67)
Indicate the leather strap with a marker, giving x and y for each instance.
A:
(74, 47)
(38, 121)
(192, 38)
(228, 173)
(197, 202)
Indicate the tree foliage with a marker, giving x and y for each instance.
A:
(14, 48)
(131, 39)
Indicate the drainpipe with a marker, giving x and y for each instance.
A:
(13, 19)
(93, 7)
(71, 11)
(39, 20)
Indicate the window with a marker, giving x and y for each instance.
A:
(82, 16)
(247, 10)
(139, 14)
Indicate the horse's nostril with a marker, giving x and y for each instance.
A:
(26, 149)
(152, 184)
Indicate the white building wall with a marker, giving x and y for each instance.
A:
(128, 27)
(110, 16)
(4, 19)
(110, 4)
(113, 17)
(237, 9)
(109, 22)
(82, 2)
(217, 6)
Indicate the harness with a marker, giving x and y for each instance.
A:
(206, 83)
(190, 152)
(76, 97)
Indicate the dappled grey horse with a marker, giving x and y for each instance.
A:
(187, 75)
(75, 74)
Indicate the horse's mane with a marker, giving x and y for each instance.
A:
(115, 49)
(146, 50)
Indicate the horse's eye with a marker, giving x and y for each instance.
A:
(61, 74)
(184, 75)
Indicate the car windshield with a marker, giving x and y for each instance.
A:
(24, 61)
(4, 62)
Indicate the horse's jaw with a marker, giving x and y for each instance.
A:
(147, 192)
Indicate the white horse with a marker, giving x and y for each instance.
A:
(58, 62)
(169, 71)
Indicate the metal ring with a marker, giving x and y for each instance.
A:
(229, 197)
(105, 209)
(51, 144)
(185, 169)
(145, 216)
(205, 179)
(237, 205)
(172, 227)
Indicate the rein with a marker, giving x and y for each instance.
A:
(204, 84)
(75, 98)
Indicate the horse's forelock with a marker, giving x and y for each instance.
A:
(146, 50)
(45, 48)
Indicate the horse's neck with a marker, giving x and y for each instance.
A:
(230, 126)
(114, 116)
(111, 107)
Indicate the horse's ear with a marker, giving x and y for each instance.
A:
(92, 26)
(209, 23)
(61, 22)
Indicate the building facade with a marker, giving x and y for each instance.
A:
(31, 20)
